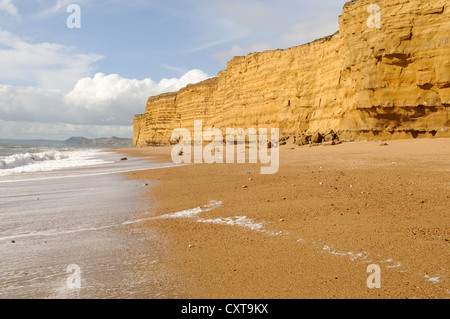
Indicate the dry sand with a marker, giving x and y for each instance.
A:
(312, 229)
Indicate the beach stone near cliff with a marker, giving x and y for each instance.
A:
(316, 138)
(330, 136)
(302, 140)
(283, 139)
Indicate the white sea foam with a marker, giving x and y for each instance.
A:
(46, 161)
(184, 214)
(242, 221)
(352, 255)
(18, 160)
(434, 280)
(189, 213)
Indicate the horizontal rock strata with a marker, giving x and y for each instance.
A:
(364, 82)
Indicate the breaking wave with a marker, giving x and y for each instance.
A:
(46, 161)
(18, 160)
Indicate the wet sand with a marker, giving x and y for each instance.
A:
(312, 229)
(82, 217)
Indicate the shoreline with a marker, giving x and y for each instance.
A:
(79, 218)
(312, 229)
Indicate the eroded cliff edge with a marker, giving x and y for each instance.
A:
(370, 83)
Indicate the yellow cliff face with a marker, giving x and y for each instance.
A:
(374, 79)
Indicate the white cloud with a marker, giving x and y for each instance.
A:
(214, 43)
(9, 14)
(226, 55)
(324, 23)
(28, 103)
(174, 68)
(254, 15)
(268, 25)
(59, 131)
(99, 105)
(8, 7)
(113, 99)
(58, 7)
(43, 65)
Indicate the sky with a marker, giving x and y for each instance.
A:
(87, 71)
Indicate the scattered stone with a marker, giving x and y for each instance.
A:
(281, 220)
(330, 136)
(422, 202)
(320, 183)
(145, 184)
(302, 140)
(124, 159)
(191, 246)
(384, 144)
(250, 179)
(283, 140)
(244, 186)
(317, 138)
(13, 241)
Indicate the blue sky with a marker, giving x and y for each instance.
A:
(57, 82)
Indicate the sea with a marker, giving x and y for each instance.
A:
(69, 226)
(28, 159)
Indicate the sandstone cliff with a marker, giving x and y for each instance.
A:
(363, 82)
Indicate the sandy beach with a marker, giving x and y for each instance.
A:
(312, 229)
